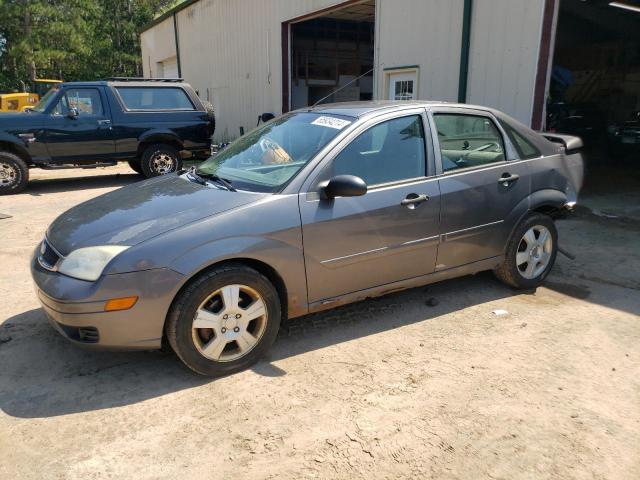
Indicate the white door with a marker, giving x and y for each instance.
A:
(403, 86)
(170, 68)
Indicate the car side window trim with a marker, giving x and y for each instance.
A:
(313, 179)
(509, 150)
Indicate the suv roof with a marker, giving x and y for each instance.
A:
(130, 81)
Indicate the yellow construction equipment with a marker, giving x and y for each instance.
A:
(19, 101)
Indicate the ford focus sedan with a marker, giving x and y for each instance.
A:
(317, 208)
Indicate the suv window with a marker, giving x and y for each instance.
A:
(524, 148)
(86, 100)
(390, 151)
(468, 141)
(154, 98)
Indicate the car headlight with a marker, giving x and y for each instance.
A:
(88, 263)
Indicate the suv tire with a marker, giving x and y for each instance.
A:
(14, 174)
(238, 314)
(136, 166)
(530, 252)
(160, 159)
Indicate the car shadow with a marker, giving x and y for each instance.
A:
(39, 186)
(44, 376)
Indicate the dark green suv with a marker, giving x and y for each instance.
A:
(151, 123)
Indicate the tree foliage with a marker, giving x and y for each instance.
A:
(71, 39)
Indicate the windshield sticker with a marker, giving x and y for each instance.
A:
(331, 122)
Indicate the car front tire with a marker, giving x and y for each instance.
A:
(160, 159)
(224, 321)
(14, 174)
(530, 252)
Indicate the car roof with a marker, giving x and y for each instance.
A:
(361, 109)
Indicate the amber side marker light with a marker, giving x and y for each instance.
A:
(116, 304)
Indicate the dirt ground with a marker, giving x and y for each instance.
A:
(388, 388)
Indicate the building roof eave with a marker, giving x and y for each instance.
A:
(167, 14)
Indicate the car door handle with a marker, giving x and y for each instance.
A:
(413, 199)
(507, 178)
(104, 123)
(27, 137)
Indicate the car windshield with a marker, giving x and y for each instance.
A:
(265, 159)
(44, 102)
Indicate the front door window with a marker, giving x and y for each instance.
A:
(85, 100)
(389, 152)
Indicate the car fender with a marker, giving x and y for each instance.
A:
(541, 199)
(160, 136)
(284, 258)
(16, 143)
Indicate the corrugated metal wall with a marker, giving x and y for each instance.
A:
(505, 41)
(426, 33)
(158, 44)
(231, 51)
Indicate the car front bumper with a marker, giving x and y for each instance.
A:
(75, 308)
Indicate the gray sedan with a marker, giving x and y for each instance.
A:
(317, 208)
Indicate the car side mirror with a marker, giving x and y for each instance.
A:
(344, 186)
(73, 113)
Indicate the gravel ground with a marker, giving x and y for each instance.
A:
(387, 388)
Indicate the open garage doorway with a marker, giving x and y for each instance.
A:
(594, 93)
(595, 80)
(330, 50)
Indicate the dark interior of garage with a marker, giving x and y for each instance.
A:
(595, 82)
(595, 93)
(330, 51)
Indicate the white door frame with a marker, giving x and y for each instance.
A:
(404, 73)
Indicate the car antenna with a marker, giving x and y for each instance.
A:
(342, 87)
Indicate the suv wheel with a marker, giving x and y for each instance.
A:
(530, 253)
(14, 174)
(160, 159)
(224, 321)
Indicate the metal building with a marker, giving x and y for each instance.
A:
(253, 56)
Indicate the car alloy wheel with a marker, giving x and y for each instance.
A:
(229, 323)
(161, 163)
(8, 175)
(534, 252)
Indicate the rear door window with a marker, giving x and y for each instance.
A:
(154, 98)
(468, 141)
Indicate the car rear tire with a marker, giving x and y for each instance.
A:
(136, 166)
(224, 321)
(160, 159)
(14, 174)
(530, 252)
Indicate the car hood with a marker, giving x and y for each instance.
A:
(141, 211)
(9, 121)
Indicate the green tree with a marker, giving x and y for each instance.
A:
(71, 39)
